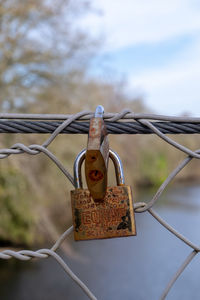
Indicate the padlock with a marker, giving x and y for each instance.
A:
(113, 217)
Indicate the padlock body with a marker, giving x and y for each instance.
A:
(114, 217)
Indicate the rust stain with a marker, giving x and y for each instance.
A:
(96, 160)
(95, 129)
(95, 175)
(114, 217)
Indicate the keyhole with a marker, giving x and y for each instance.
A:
(95, 175)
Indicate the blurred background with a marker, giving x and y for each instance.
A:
(66, 56)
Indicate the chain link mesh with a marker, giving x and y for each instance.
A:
(139, 207)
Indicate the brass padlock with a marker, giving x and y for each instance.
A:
(114, 217)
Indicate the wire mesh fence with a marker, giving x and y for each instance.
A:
(140, 123)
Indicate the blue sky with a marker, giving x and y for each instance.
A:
(155, 44)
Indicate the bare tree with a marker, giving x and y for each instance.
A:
(39, 41)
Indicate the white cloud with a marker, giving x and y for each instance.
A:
(174, 88)
(131, 22)
(171, 89)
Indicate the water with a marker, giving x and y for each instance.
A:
(124, 268)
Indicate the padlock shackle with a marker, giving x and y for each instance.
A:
(119, 172)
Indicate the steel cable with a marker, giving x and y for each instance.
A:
(82, 127)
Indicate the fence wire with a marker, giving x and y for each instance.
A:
(139, 207)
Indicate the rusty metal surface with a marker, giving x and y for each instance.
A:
(96, 161)
(96, 174)
(97, 132)
(114, 217)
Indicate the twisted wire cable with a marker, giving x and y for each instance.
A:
(113, 127)
(69, 122)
